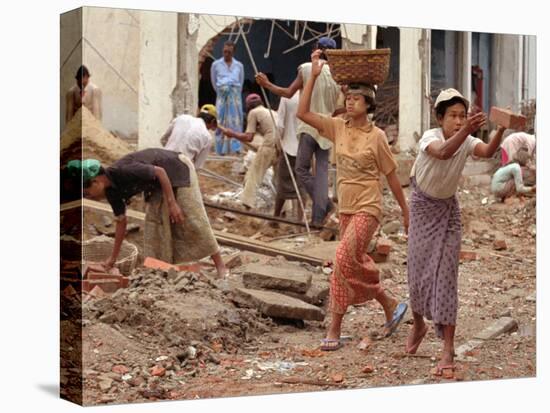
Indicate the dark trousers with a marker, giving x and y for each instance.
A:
(315, 185)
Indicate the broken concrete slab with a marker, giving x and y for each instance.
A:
(462, 350)
(316, 294)
(274, 304)
(501, 326)
(286, 278)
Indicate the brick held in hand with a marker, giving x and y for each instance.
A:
(507, 118)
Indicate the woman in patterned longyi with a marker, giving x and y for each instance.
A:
(362, 156)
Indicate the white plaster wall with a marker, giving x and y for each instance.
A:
(505, 79)
(157, 74)
(531, 67)
(410, 88)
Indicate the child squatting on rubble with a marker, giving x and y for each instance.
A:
(508, 180)
(176, 225)
(362, 154)
(435, 232)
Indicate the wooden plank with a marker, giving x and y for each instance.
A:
(224, 238)
(237, 241)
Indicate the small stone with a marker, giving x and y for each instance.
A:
(368, 369)
(158, 371)
(120, 369)
(505, 313)
(105, 384)
(391, 227)
(230, 216)
(337, 378)
(172, 274)
(106, 221)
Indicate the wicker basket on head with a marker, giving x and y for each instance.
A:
(98, 249)
(359, 66)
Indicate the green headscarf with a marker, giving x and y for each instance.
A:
(88, 169)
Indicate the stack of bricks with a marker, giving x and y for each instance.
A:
(382, 250)
(108, 281)
(94, 280)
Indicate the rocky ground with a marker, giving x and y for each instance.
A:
(184, 335)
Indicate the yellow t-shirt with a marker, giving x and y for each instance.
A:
(362, 156)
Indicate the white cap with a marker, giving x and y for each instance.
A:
(448, 94)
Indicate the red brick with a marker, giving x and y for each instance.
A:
(151, 262)
(120, 369)
(500, 243)
(107, 285)
(383, 246)
(507, 118)
(92, 266)
(86, 286)
(158, 371)
(124, 282)
(97, 292)
(468, 255)
(93, 275)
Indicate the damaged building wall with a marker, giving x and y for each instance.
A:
(70, 55)
(108, 46)
(157, 74)
(506, 66)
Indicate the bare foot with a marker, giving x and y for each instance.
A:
(415, 338)
(223, 272)
(390, 308)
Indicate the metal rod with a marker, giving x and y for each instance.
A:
(259, 215)
(291, 172)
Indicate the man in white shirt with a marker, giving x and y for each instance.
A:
(286, 126)
(190, 135)
(324, 101)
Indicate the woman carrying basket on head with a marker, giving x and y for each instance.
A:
(362, 156)
(177, 228)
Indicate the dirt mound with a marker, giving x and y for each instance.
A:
(85, 137)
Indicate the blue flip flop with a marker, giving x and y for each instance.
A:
(398, 315)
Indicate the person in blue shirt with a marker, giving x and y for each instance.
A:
(227, 76)
(508, 180)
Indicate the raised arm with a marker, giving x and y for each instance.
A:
(397, 190)
(304, 114)
(286, 92)
(487, 150)
(445, 150)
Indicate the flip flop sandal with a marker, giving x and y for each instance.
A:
(398, 315)
(329, 344)
(440, 370)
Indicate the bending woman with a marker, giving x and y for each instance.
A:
(177, 228)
